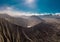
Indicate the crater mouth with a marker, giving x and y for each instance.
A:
(24, 21)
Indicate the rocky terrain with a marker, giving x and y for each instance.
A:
(43, 29)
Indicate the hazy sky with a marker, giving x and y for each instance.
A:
(40, 6)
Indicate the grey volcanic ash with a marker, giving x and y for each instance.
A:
(45, 31)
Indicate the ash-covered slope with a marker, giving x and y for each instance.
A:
(41, 32)
(10, 32)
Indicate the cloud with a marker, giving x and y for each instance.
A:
(12, 12)
(30, 3)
